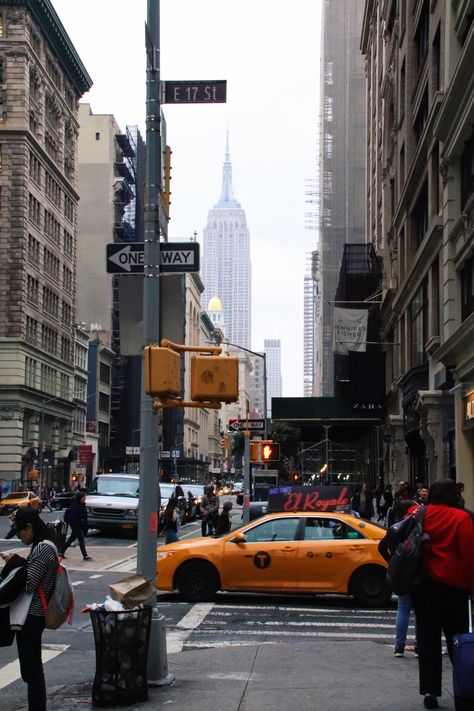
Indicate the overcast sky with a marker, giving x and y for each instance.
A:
(268, 50)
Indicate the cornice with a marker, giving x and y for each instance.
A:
(52, 27)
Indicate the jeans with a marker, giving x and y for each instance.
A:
(171, 537)
(403, 617)
(79, 534)
(28, 641)
(439, 608)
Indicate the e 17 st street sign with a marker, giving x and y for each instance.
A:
(194, 92)
(175, 257)
(253, 425)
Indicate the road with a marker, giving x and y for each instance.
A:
(231, 620)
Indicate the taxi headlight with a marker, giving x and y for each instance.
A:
(161, 555)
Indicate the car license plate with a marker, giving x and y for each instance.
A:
(127, 525)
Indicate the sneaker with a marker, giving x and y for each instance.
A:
(399, 650)
(87, 557)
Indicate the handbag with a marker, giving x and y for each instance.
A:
(463, 661)
(7, 635)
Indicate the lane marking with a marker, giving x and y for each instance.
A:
(94, 577)
(176, 638)
(312, 610)
(79, 582)
(11, 672)
(300, 633)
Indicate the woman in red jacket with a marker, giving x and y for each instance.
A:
(441, 601)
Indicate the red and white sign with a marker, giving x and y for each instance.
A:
(86, 455)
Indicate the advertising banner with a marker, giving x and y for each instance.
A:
(350, 330)
(310, 498)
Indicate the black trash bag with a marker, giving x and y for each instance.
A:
(121, 646)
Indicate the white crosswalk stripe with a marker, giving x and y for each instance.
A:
(11, 672)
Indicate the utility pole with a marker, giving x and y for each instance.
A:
(149, 496)
(246, 509)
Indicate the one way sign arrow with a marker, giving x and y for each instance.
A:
(175, 257)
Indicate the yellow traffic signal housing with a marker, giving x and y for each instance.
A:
(214, 378)
(270, 452)
(162, 371)
(255, 451)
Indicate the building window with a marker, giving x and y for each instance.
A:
(103, 434)
(48, 379)
(68, 209)
(104, 374)
(68, 243)
(32, 328)
(66, 350)
(35, 169)
(33, 250)
(435, 181)
(67, 279)
(30, 372)
(50, 302)
(419, 325)
(467, 289)
(49, 340)
(401, 101)
(422, 35)
(437, 80)
(53, 72)
(402, 167)
(65, 387)
(53, 190)
(34, 210)
(2, 25)
(51, 264)
(420, 216)
(421, 116)
(467, 171)
(66, 314)
(97, 136)
(32, 289)
(104, 403)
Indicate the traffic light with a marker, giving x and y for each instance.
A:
(254, 451)
(270, 452)
(215, 378)
(162, 371)
(225, 443)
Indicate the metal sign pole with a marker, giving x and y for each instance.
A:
(149, 496)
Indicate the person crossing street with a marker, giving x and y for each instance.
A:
(76, 518)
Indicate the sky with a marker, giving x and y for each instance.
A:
(268, 51)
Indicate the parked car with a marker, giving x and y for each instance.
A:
(62, 500)
(19, 500)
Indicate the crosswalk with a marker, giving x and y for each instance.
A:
(237, 624)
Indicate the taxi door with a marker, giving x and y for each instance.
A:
(329, 552)
(267, 559)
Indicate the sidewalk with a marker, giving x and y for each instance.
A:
(307, 676)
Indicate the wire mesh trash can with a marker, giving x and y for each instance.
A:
(121, 648)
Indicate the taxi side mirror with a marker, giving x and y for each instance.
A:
(238, 538)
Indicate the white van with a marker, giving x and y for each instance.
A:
(112, 502)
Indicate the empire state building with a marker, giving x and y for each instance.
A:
(226, 269)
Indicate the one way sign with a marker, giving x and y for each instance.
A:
(129, 258)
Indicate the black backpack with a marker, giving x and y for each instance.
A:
(407, 567)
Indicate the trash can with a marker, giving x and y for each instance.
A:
(121, 648)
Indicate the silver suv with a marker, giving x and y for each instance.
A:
(112, 502)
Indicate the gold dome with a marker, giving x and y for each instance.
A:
(214, 304)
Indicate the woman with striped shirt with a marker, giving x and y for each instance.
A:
(42, 563)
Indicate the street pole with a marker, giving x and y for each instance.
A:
(246, 509)
(265, 411)
(149, 497)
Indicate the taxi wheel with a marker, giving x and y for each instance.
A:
(197, 581)
(369, 588)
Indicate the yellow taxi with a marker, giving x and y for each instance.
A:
(19, 500)
(297, 552)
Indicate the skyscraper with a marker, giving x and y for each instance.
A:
(272, 348)
(342, 168)
(309, 336)
(226, 269)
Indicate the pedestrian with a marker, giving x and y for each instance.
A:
(224, 520)
(42, 564)
(76, 518)
(404, 508)
(460, 488)
(441, 600)
(171, 520)
(422, 494)
(45, 499)
(362, 502)
(386, 502)
(209, 510)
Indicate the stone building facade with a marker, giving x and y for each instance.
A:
(420, 193)
(42, 79)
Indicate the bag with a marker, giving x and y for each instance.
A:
(407, 566)
(61, 603)
(463, 661)
(7, 635)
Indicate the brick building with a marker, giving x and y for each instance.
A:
(42, 79)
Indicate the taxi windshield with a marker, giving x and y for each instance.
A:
(18, 495)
